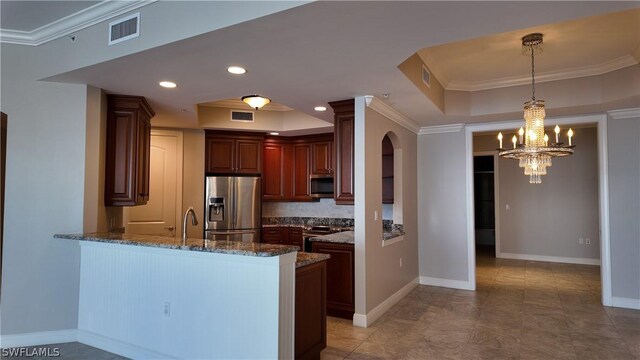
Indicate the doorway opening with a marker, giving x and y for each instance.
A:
(484, 167)
(544, 231)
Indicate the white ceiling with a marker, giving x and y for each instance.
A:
(31, 15)
(572, 49)
(330, 50)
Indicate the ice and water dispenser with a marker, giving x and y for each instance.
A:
(216, 209)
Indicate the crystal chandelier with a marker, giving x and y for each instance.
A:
(534, 153)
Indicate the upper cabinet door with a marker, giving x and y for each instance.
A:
(229, 152)
(220, 155)
(344, 125)
(248, 156)
(322, 158)
(301, 168)
(127, 150)
(276, 175)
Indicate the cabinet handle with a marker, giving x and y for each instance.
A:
(170, 228)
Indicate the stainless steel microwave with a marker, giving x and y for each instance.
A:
(321, 186)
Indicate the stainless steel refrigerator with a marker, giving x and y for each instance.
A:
(233, 208)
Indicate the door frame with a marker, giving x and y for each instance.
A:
(179, 173)
(600, 120)
(496, 197)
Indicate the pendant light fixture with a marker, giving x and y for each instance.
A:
(531, 147)
(255, 101)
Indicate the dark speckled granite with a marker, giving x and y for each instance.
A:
(222, 247)
(307, 222)
(305, 258)
(345, 237)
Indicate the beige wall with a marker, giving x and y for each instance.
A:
(193, 179)
(264, 120)
(412, 69)
(379, 274)
(548, 219)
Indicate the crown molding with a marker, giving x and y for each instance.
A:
(82, 19)
(389, 112)
(624, 113)
(439, 129)
(612, 65)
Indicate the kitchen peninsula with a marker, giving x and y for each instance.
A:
(153, 297)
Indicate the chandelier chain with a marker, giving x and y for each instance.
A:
(533, 76)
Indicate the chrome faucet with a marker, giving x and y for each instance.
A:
(194, 221)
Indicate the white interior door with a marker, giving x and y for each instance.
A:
(160, 216)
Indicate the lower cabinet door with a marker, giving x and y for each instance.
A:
(311, 314)
(340, 276)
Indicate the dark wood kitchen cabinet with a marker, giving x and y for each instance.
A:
(322, 157)
(127, 150)
(301, 170)
(272, 235)
(228, 153)
(283, 235)
(311, 310)
(344, 127)
(289, 163)
(340, 272)
(277, 178)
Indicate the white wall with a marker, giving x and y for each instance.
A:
(193, 179)
(221, 306)
(442, 209)
(624, 202)
(379, 274)
(44, 196)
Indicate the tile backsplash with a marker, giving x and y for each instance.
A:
(325, 208)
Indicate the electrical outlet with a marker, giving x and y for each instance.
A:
(400, 262)
(588, 241)
(167, 309)
(581, 241)
(375, 215)
(507, 207)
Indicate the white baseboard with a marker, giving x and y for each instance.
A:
(118, 347)
(555, 259)
(625, 303)
(38, 338)
(454, 284)
(364, 320)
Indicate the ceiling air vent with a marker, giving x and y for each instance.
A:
(426, 76)
(124, 29)
(244, 116)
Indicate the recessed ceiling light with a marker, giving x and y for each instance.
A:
(274, 133)
(320, 108)
(236, 70)
(167, 84)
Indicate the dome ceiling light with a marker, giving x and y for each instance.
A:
(255, 101)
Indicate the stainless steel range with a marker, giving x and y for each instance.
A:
(317, 231)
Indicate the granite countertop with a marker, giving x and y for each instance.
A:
(222, 247)
(345, 237)
(305, 258)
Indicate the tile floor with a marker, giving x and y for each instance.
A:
(521, 310)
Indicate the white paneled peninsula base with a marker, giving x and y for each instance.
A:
(145, 298)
